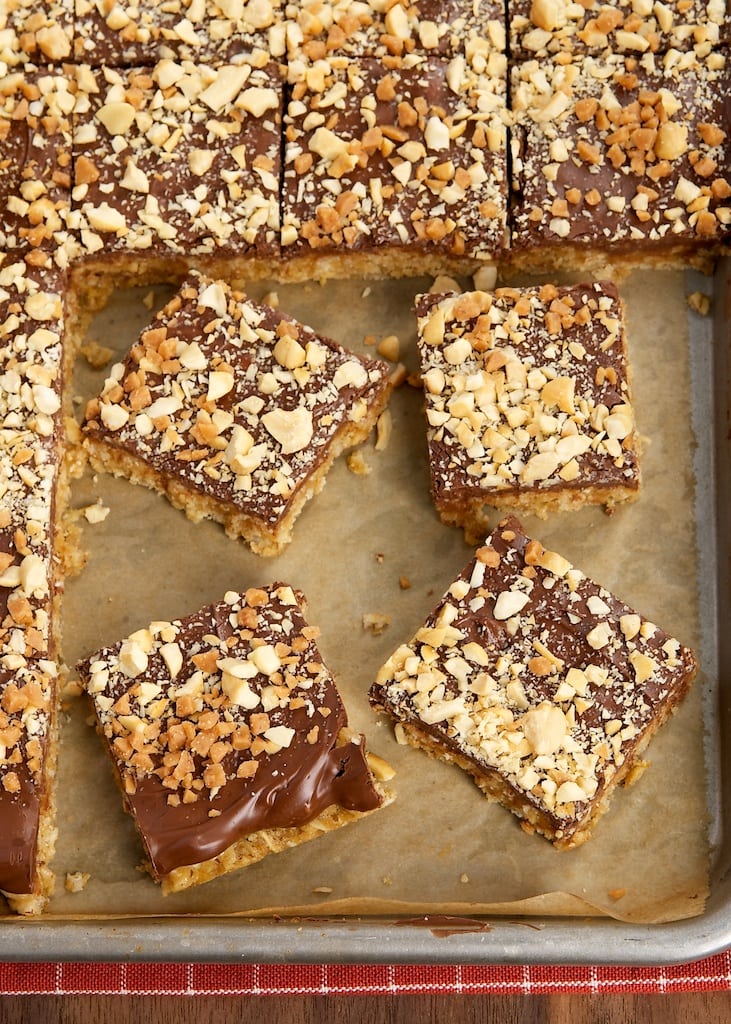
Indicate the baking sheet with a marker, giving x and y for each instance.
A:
(464, 855)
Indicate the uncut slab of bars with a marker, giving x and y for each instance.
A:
(536, 681)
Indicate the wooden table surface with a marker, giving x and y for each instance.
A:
(705, 1007)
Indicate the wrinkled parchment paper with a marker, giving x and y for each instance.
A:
(441, 848)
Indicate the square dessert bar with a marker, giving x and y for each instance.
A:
(32, 490)
(393, 166)
(176, 164)
(536, 681)
(228, 736)
(538, 28)
(35, 33)
(621, 159)
(319, 29)
(527, 401)
(128, 33)
(234, 411)
(35, 159)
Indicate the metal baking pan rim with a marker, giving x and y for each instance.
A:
(498, 940)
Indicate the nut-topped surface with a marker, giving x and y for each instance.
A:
(541, 683)
(35, 160)
(400, 154)
(527, 399)
(127, 33)
(620, 155)
(224, 724)
(141, 140)
(31, 332)
(235, 400)
(319, 29)
(177, 159)
(542, 27)
(42, 33)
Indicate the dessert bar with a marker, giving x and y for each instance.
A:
(36, 33)
(393, 167)
(175, 165)
(228, 736)
(234, 411)
(317, 29)
(536, 681)
(35, 161)
(527, 401)
(32, 487)
(622, 160)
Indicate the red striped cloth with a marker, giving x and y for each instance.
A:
(713, 973)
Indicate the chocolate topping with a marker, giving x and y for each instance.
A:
(527, 393)
(616, 153)
(396, 153)
(531, 672)
(234, 399)
(225, 724)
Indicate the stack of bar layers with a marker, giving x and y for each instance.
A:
(296, 141)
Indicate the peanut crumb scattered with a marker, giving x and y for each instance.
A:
(271, 299)
(390, 348)
(443, 283)
(96, 355)
(357, 464)
(148, 300)
(404, 582)
(616, 894)
(485, 278)
(76, 881)
(375, 622)
(699, 303)
(96, 513)
(322, 890)
(464, 878)
(72, 689)
(384, 429)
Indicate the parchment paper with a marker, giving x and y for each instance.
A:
(441, 847)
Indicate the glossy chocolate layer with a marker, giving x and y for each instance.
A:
(244, 733)
(532, 672)
(35, 159)
(145, 31)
